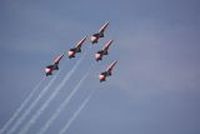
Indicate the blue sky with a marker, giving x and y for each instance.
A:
(154, 87)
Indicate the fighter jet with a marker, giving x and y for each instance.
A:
(77, 49)
(108, 72)
(50, 68)
(99, 55)
(100, 34)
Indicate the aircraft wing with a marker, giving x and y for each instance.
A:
(49, 66)
(57, 60)
(103, 28)
(79, 44)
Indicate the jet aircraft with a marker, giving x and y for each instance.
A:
(99, 55)
(108, 72)
(50, 68)
(100, 34)
(77, 49)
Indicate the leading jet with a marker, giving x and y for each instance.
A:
(100, 34)
(99, 55)
(77, 49)
(108, 72)
(50, 68)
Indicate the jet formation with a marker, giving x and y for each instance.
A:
(94, 39)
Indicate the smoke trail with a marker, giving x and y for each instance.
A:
(53, 95)
(67, 125)
(33, 104)
(63, 105)
(21, 107)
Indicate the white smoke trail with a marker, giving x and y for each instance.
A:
(33, 104)
(63, 105)
(21, 107)
(74, 116)
(53, 95)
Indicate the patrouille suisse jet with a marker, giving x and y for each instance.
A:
(108, 72)
(50, 68)
(99, 55)
(77, 49)
(100, 34)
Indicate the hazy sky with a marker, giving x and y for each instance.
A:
(155, 87)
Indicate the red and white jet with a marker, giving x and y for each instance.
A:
(99, 55)
(50, 68)
(108, 72)
(100, 34)
(77, 49)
